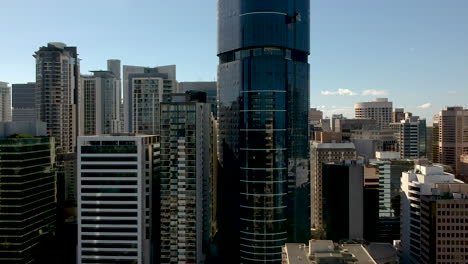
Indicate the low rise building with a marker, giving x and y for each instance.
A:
(325, 251)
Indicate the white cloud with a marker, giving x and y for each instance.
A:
(452, 92)
(340, 91)
(425, 106)
(373, 92)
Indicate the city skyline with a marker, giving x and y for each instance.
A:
(356, 48)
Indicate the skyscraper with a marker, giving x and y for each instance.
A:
(185, 179)
(411, 137)
(451, 131)
(115, 203)
(386, 169)
(100, 103)
(27, 197)
(5, 102)
(57, 82)
(144, 89)
(24, 102)
(321, 153)
(210, 88)
(263, 82)
(380, 110)
(416, 184)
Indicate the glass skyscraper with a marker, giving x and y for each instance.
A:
(263, 92)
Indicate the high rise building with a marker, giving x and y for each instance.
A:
(315, 116)
(210, 88)
(57, 82)
(144, 89)
(185, 181)
(444, 216)
(398, 115)
(380, 110)
(451, 130)
(387, 169)
(411, 133)
(27, 198)
(114, 67)
(416, 184)
(100, 103)
(5, 102)
(320, 154)
(429, 142)
(342, 199)
(117, 218)
(263, 81)
(464, 167)
(24, 101)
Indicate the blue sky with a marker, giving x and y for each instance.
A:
(413, 52)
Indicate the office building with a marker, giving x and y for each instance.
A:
(429, 142)
(185, 181)
(416, 184)
(263, 82)
(444, 216)
(57, 82)
(210, 88)
(116, 214)
(384, 218)
(398, 115)
(411, 134)
(35, 128)
(325, 251)
(144, 89)
(464, 167)
(27, 198)
(342, 200)
(451, 130)
(320, 154)
(100, 103)
(114, 67)
(5, 102)
(385, 139)
(348, 126)
(315, 116)
(24, 101)
(379, 110)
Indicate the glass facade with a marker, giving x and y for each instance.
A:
(27, 198)
(263, 93)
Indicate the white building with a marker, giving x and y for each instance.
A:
(414, 184)
(143, 91)
(115, 175)
(325, 251)
(99, 103)
(5, 102)
(379, 110)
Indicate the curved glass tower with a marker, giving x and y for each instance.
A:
(263, 92)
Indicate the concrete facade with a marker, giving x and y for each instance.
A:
(320, 154)
(5, 102)
(379, 110)
(415, 184)
(115, 203)
(451, 130)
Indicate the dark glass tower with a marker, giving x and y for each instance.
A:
(263, 82)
